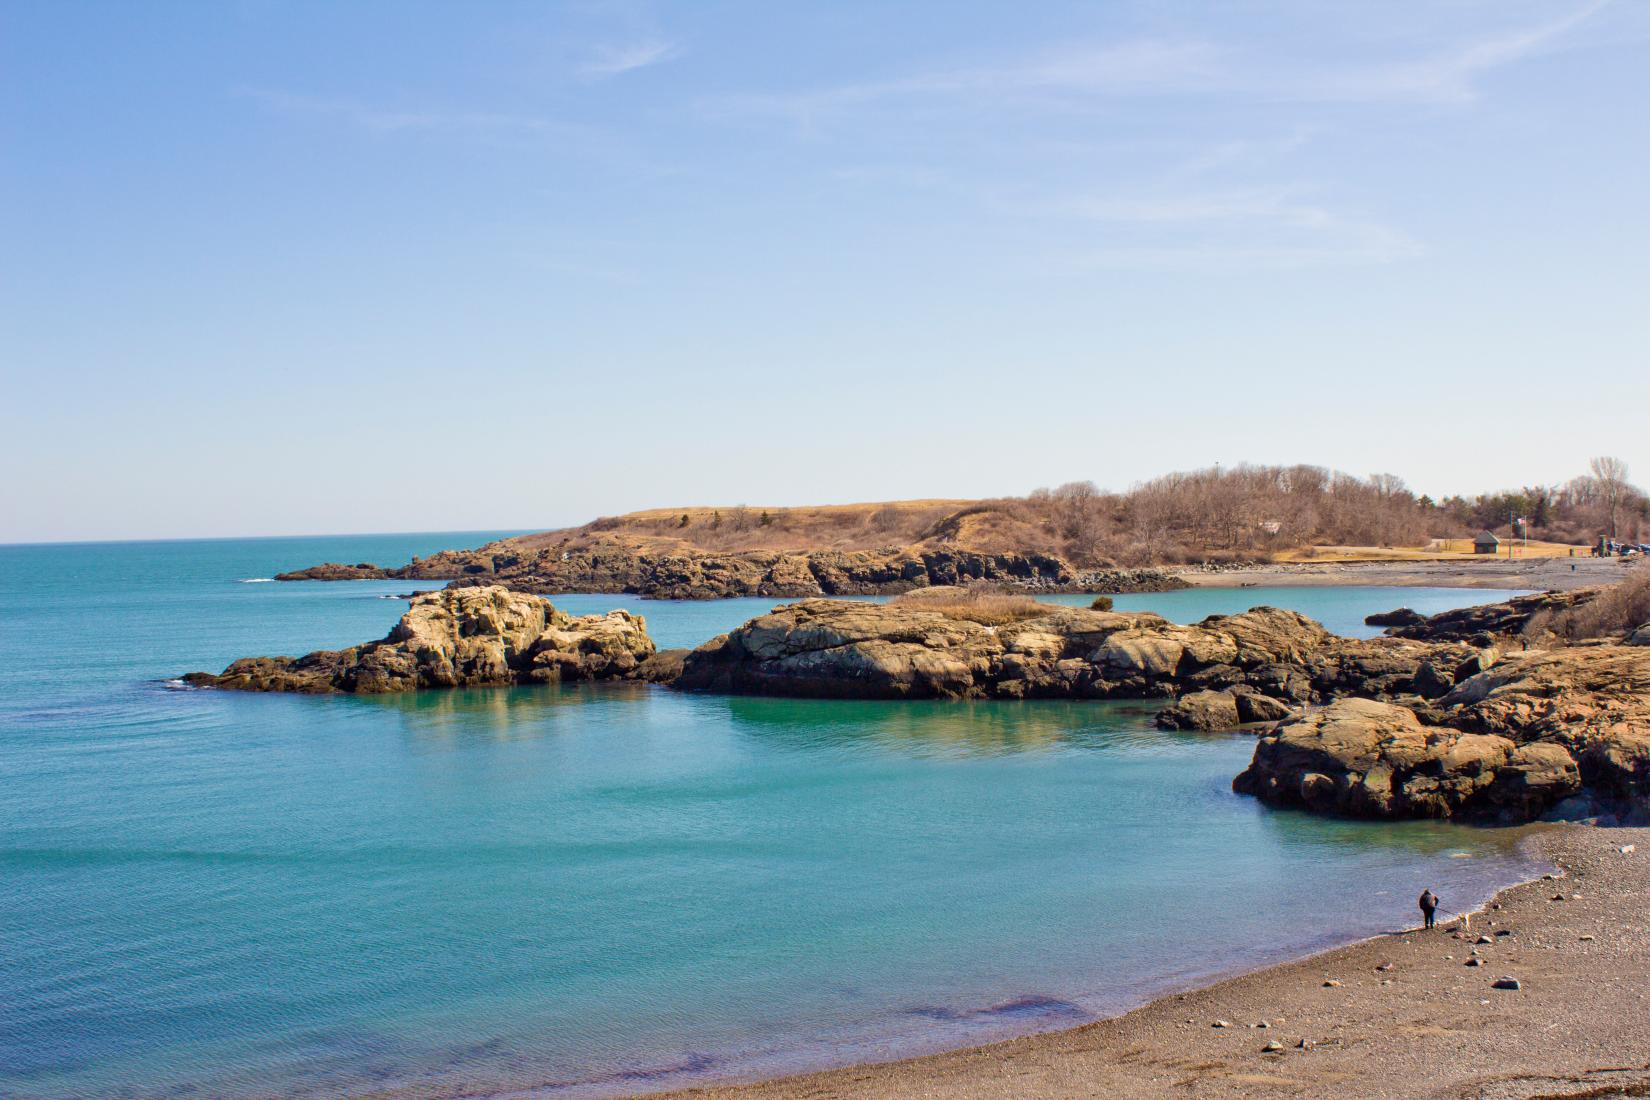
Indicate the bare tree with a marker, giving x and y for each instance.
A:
(1079, 512)
(1610, 475)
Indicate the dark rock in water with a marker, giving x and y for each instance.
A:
(663, 667)
(1485, 623)
(1255, 707)
(1201, 710)
(332, 571)
(459, 638)
(1403, 616)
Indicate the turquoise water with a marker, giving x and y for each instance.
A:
(588, 891)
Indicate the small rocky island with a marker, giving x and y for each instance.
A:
(467, 637)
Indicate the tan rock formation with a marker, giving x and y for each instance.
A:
(458, 638)
(1371, 759)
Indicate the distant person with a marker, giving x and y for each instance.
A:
(1429, 906)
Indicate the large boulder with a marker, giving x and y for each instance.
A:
(1365, 758)
(1201, 710)
(458, 638)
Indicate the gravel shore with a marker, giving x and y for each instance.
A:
(1540, 574)
(1400, 1015)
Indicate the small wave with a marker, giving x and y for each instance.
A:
(257, 580)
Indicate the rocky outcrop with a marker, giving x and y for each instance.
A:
(461, 638)
(833, 648)
(1566, 728)
(695, 575)
(1403, 616)
(1364, 758)
(1492, 620)
(333, 571)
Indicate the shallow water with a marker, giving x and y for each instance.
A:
(576, 891)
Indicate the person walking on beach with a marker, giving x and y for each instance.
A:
(1429, 906)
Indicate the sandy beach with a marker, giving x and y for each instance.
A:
(1540, 574)
(1400, 1015)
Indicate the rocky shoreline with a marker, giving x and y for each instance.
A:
(785, 575)
(1423, 725)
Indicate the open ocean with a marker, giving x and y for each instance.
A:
(584, 891)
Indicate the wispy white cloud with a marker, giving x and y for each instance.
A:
(1273, 228)
(1136, 67)
(1186, 67)
(612, 60)
(1447, 75)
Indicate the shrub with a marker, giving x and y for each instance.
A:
(1621, 607)
(1101, 603)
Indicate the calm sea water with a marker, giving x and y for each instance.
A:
(586, 891)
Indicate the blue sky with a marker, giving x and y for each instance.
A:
(312, 267)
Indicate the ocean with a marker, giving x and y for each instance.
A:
(586, 891)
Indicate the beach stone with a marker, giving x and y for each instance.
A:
(1272, 1047)
(1586, 938)
(1474, 961)
(1506, 983)
(1221, 1023)
(1331, 983)
(1484, 939)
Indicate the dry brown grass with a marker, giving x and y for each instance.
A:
(1622, 607)
(986, 606)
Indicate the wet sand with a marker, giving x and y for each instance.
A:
(1400, 1015)
(1539, 574)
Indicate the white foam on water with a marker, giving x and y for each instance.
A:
(257, 580)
